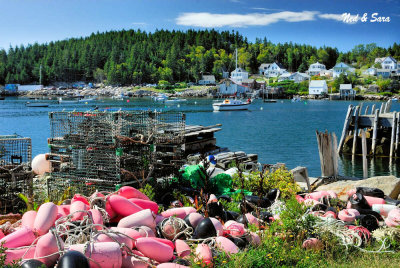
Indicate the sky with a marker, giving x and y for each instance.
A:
(314, 22)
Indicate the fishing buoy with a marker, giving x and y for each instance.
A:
(254, 239)
(144, 204)
(28, 218)
(205, 229)
(111, 213)
(203, 253)
(392, 220)
(40, 164)
(239, 242)
(20, 238)
(383, 210)
(133, 262)
(145, 231)
(63, 209)
(78, 209)
(78, 197)
(130, 192)
(32, 264)
(154, 249)
(374, 200)
(216, 209)
(368, 221)
(16, 254)
(45, 218)
(73, 259)
(97, 218)
(171, 265)
(182, 249)
(133, 234)
(193, 219)
(234, 228)
(47, 246)
(313, 244)
(358, 201)
(123, 206)
(113, 237)
(226, 245)
(145, 217)
(348, 215)
(102, 255)
(128, 101)
(177, 212)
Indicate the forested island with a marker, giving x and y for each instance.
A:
(134, 57)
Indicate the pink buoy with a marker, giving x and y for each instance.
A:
(146, 231)
(102, 255)
(393, 218)
(112, 237)
(252, 220)
(218, 226)
(374, 200)
(154, 249)
(330, 214)
(299, 199)
(153, 206)
(383, 209)
(40, 164)
(2, 234)
(130, 192)
(78, 209)
(332, 194)
(317, 195)
(16, 254)
(212, 198)
(182, 249)
(313, 243)
(20, 238)
(193, 219)
(28, 219)
(348, 215)
(128, 232)
(133, 262)
(46, 246)
(171, 265)
(254, 239)
(97, 218)
(226, 245)
(78, 197)
(123, 206)
(145, 217)
(203, 253)
(63, 209)
(234, 228)
(45, 218)
(165, 241)
(189, 210)
(177, 212)
(159, 219)
(111, 213)
(351, 192)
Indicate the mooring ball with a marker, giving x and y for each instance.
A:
(205, 229)
(40, 164)
(73, 259)
(32, 263)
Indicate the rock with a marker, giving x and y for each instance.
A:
(390, 185)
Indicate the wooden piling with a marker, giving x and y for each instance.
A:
(373, 109)
(397, 133)
(360, 109)
(388, 106)
(327, 154)
(335, 155)
(381, 110)
(355, 130)
(364, 154)
(375, 131)
(366, 110)
(345, 127)
(392, 138)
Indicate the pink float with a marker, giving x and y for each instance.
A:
(104, 255)
(97, 218)
(348, 215)
(2, 234)
(203, 253)
(16, 254)
(182, 249)
(113, 237)
(45, 218)
(299, 199)
(28, 218)
(332, 194)
(374, 200)
(254, 239)
(393, 218)
(383, 209)
(132, 262)
(40, 164)
(313, 243)
(252, 220)
(218, 226)
(226, 245)
(47, 245)
(78, 209)
(330, 214)
(317, 195)
(154, 249)
(194, 219)
(145, 217)
(177, 212)
(234, 228)
(351, 192)
(212, 198)
(130, 192)
(171, 265)
(123, 206)
(128, 232)
(20, 238)
(111, 213)
(145, 204)
(146, 231)
(189, 210)
(78, 197)
(63, 209)
(164, 241)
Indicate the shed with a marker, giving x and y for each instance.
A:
(317, 87)
(347, 91)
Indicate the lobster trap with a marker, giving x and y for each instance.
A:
(16, 176)
(110, 148)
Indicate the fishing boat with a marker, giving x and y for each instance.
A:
(231, 105)
(36, 104)
(160, 97)
(174, 100)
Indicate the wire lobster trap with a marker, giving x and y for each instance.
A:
(15, 151)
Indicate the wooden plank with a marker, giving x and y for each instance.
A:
(364, 154)
(335, 155)
(397, 133)
(375, 131)
(345, 127)
(373, 109)
(366, 110)
(355, 131)
(388, 106)
(381, 110)
(392, 138)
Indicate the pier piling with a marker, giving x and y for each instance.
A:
(392, 139)
(364, 154)
(345, 127)
(375, 131)
(355, 130)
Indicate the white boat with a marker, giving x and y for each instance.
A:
(37, 104)
(231, 105)
(394, 99)
(61, 100)
(173, 100)
(87, 99)
(296, 99)
(160, 97)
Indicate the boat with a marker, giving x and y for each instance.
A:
(173, 100)
(296, 99)
(231, 105)
(61, 100)
(2, 98)
(394, 99)
(270, 101)
(87, 99)
(160, 97)
(36, 104)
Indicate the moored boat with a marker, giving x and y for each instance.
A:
(37, 104)
(231, 105)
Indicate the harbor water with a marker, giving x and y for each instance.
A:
(281, 132)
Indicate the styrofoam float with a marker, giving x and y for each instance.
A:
(130, 192)
(226, 245)
(45, 218)
(16, 254)
(20, 238)
(145, 217)
(47, 245)
(28, 219)
(78, 209)
(154, 249)
(123, 206)
(102, 255)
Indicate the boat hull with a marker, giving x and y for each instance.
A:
(231, 107)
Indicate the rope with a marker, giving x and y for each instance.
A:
(179, 227)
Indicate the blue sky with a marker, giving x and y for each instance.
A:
(314, 22)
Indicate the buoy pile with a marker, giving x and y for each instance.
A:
(126, 229)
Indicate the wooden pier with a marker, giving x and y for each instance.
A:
(381, 128)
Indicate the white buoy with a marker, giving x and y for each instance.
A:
(261, 108)
(40, 164)
(195, 102)
(179, 105)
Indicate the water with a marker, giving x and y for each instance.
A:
(278, 132)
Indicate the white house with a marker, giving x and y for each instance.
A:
(263, 67)
(317, 87)
(228, 88)
(347, 91)
(299, 77)
(370, 71)
(387, 63)
(284, 76)
(238, 75)
(275, 70)
(342, 68)
(326, 73)
(207, 80)
(316, 68)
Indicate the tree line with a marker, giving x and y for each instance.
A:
(134, 57)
